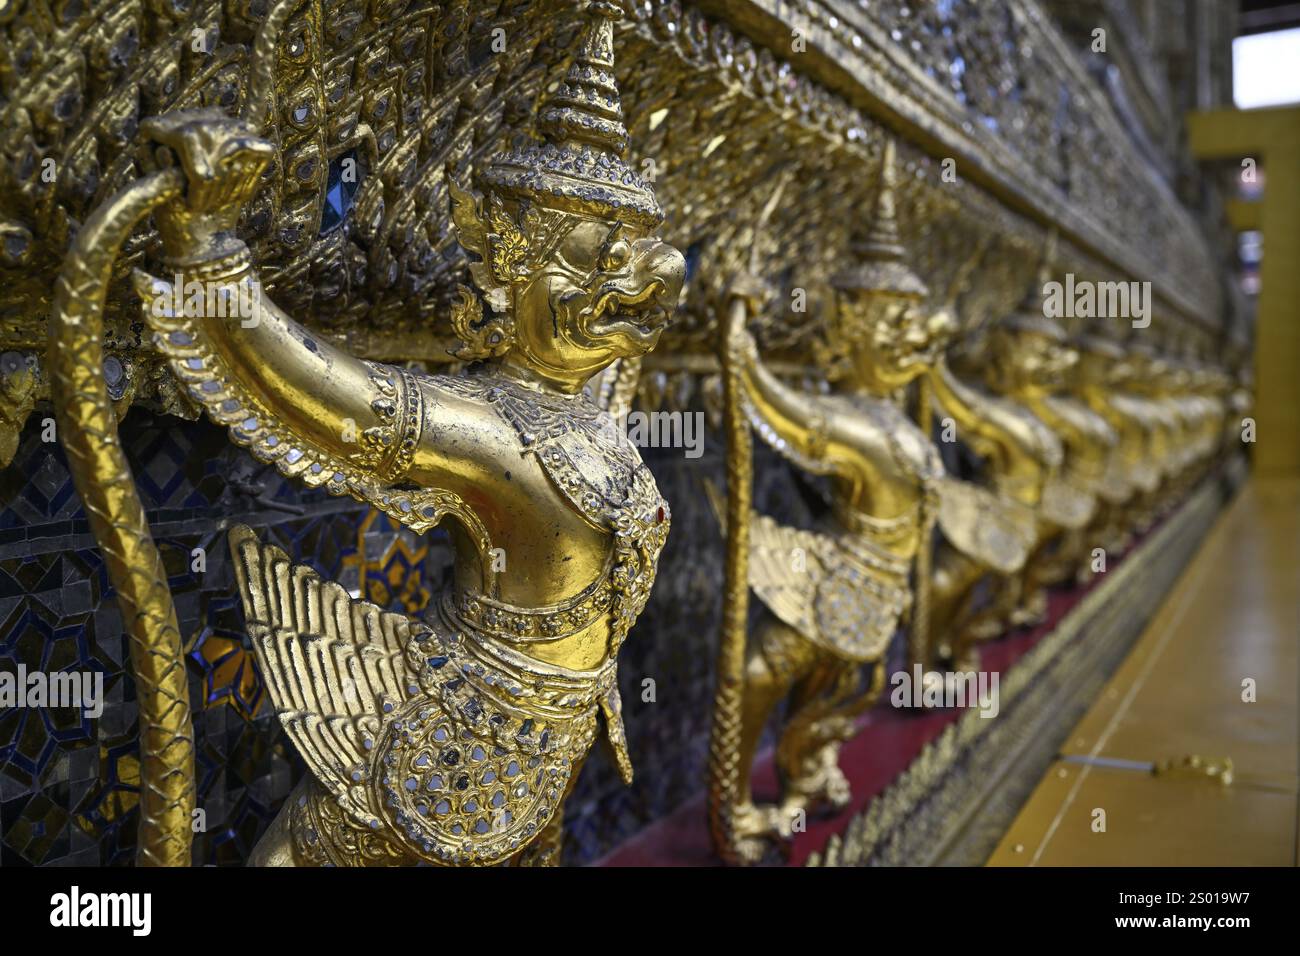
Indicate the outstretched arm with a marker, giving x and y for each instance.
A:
(792, 415)
(968, 410)
(341, 405)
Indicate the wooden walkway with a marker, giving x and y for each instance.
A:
(1230, 626)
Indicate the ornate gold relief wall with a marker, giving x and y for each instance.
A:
(375, 102)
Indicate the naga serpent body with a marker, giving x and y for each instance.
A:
(724, 742)
(87, 427)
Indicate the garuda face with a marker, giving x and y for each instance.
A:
(565, 237)
(891, 339)
(1101, 364)
(1150, 370)
(1029, 361)
(569, 293)
(606, 293)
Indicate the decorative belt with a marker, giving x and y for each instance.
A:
(519, 680)
(872, 532)
(861, 538)
(1021, 490)
(475, 611)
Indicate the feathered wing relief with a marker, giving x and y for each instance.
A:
(335, 667)
(994, 531)
(1066, 503)
(827, 589)
(445, 751)
(840, 596)
(777, 555)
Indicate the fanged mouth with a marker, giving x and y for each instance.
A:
(638, 314)
(908, 356)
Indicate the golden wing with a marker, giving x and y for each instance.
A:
(1065, 504)
(996, 532)
(784, 571)
(1114, 488)
(1143, 476)
(335, 666)
(784, 567)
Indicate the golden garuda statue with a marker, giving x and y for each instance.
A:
(1204, 390)
(1033, 367)
(1088, 475)
(454, 737)
(1140, 399)
(1102, 370)
(1020, 457)
(834, 595)
(1188, 392)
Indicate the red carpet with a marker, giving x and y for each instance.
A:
(888, 740)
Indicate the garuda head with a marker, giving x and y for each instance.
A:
(569, 267)
(1030, 353)
(879, 323)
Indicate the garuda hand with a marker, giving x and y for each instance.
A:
(223, 160)
(746, 296)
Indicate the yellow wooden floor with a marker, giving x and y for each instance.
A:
(1233, 615)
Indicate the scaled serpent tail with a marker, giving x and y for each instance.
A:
(87, 428)
(100, 472)
(724, 741)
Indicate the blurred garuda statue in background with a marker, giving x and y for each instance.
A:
(835, 595)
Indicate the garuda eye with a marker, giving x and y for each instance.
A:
(615, 256)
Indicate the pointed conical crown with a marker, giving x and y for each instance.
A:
(580, 167)
(1030, 315)
(879, 264)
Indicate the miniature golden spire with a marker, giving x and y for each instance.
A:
(580, 166)
(1029, 316)
(879, 256)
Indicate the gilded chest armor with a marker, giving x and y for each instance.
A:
(602, 477)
